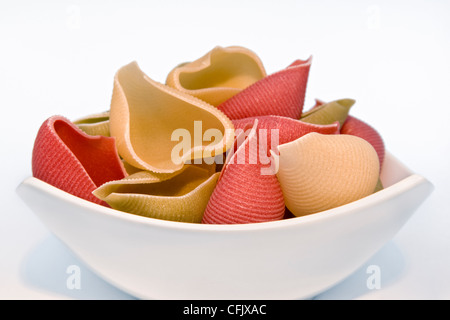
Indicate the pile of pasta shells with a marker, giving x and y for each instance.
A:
(220, 142)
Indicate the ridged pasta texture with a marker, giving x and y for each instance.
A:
(319, 172)
(71, 160)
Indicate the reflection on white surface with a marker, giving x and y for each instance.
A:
(390, 264)
(50, 267)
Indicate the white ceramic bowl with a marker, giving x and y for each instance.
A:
(288, 259)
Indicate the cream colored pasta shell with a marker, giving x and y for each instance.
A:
(218, 75)
(149, 120)
(320, 172)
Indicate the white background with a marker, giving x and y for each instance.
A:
(59, 57)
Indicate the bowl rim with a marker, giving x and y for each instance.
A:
(410, 181)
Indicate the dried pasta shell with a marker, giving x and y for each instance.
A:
(136, 178)
(328, 113)
(359, 128)
(210, 166)
(281, 93)
(95, 124)
(218, 75)
(71, 160)
(245, 193)
(275, 130)
(148, 119)
(320, 172)
(180, 196)
(129, 168)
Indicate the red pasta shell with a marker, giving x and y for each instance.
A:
(281, 93)
(70, 160)
(243, 194)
